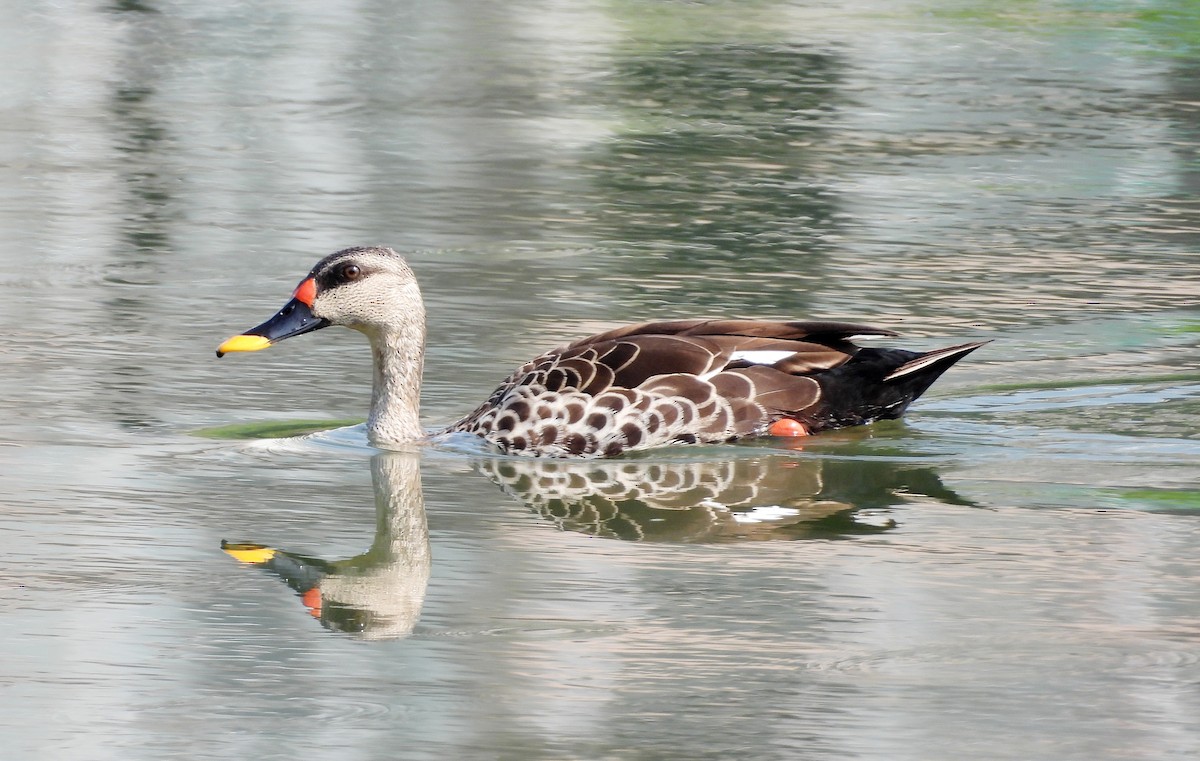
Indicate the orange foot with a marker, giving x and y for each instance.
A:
(787, 427)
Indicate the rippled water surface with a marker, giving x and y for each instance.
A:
(1009, 574)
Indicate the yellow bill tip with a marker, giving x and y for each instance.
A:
(255, 554)
(243, 343)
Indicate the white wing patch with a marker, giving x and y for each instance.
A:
(762, 357)
(764, 514)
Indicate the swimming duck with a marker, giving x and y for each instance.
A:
(634, 387)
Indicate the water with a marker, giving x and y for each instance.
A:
(1009, 574)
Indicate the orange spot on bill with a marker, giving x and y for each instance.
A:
(787, 427)
(306, 292)
(312, 601)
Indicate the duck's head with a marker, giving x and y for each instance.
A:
(369, 289)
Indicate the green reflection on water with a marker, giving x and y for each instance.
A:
(1113, 380)
(274, 429)
(1169, 27)
(1163, 499)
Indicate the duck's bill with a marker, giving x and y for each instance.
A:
(256, 554)
(296, 318)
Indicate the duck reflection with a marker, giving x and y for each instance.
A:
(771, 497)
(378, 594)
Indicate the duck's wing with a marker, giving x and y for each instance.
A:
(705, 347)
(658, 382)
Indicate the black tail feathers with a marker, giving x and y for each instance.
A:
(880, 384)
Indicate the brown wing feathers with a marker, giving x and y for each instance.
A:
(654, 383)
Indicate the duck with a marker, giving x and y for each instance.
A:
(636, 387)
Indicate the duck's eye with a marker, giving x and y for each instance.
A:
(351, 272)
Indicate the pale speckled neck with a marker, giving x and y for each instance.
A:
(399, 357)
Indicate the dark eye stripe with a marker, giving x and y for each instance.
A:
(340, 275)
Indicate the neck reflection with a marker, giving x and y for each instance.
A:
(377, 594)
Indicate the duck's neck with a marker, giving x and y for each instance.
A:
(399, 356)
